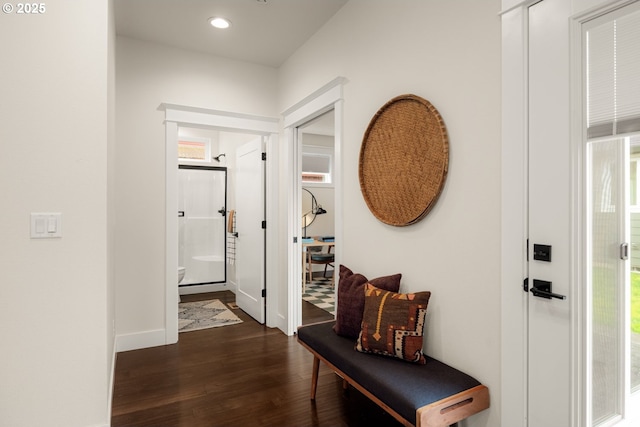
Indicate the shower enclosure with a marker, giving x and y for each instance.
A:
(202, 201)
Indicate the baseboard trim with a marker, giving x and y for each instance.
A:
(281, 323)
(200, 289)
(140, 340)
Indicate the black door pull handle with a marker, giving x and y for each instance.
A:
(542, 289)
(543, 294)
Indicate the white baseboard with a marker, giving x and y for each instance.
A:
(157, 337)
(233, 287)
(200, 289)
(140, 340)
(281, 323)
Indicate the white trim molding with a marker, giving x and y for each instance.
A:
(145, 339)
(314, 105)
(328, 97)
(514, 216)
(182, 115)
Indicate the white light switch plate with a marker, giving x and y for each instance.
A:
(46, 225)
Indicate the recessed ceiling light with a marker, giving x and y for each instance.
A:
(219, 22)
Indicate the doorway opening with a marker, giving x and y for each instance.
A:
(316, 142)
(207, 242)
(202, 243)
(327, 99)
(180, 118)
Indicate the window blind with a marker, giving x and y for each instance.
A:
(613, 75)
(316, 163)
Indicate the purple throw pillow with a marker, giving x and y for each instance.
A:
(351, 299)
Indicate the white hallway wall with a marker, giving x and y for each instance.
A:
(56, 295)
(148, 75)
(449, 53)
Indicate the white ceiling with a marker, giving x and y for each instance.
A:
(264, 32)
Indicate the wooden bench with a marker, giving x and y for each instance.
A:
(433, 394)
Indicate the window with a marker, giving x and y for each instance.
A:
(191, 148)
(317, 165)
(613, 73)
(612, 88)
(634, 181)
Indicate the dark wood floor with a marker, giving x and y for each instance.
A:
(237, 375)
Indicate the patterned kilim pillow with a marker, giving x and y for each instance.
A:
(393, 324)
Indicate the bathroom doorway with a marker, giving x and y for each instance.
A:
(202, 201)
(179, 119)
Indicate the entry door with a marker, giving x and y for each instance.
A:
(550, 209)
(250, 242)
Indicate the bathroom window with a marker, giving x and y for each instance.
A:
(194, 149)
(317, 165)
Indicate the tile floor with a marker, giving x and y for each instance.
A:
(321, 294)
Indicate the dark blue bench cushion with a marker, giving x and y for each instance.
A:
(401, 385)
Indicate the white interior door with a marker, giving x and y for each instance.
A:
(550, 221)
(250, 242)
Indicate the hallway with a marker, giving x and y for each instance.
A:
(238, 375)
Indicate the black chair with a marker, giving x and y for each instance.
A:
(315, 256)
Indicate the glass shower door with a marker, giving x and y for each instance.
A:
(202, 199)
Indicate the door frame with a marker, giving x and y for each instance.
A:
(327, 98)
(514, 212)
(514, 229)
(182, 115)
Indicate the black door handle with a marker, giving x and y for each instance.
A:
(542, 289)
(180, 214)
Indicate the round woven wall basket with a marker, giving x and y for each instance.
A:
(404, 159)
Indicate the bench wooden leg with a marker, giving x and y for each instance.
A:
(314, 377)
